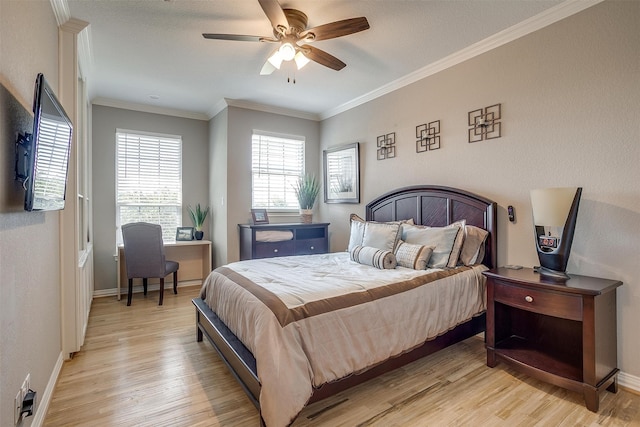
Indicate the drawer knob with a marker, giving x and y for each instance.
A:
(312, 248)
(275, 250)
(528, 299)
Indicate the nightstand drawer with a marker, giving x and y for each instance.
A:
(275, 249)
(543, 302)
(311, 246)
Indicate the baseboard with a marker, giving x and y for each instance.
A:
(630, 382)
(43, 401)
(138, 289)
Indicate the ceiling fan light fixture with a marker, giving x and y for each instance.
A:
(287, 51)
(301, 60)
(276, 59)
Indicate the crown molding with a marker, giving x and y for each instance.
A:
(269, 109)
(61, 11)
(107, 102)
(528, 26)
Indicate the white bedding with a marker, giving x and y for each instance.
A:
(303, 334)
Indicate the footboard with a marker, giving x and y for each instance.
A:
(235, 355)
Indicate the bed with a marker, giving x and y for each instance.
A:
(335, 367)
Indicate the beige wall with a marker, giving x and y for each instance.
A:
(238, 128)
(570, 101)
(29, 241)
(195, 175)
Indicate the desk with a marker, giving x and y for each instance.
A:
(194, 258)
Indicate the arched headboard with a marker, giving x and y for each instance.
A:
(437, 206)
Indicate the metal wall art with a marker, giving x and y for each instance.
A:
(386, 146)
(428, 136)
(484, 123)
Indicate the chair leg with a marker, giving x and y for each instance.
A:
(161, 290)
(130, 293)
(175, 282)
(144, 285)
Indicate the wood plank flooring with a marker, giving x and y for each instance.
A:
(141, 366)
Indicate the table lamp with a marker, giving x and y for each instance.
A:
(555, 211)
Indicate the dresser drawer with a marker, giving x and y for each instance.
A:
(273, 249)
(311, 246)
(543, 302)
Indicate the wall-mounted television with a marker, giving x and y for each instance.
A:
(42, 157)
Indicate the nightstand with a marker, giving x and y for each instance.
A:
(563, 333)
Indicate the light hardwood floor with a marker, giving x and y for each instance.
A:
(141, 366)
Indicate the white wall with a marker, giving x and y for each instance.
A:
(29, 241)
(195, 175)
(570, 101)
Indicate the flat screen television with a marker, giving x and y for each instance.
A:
(45, 152)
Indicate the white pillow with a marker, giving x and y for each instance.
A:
(381, 235)
(473, 247)
(442, 238)
(413, 256)
(357, 232)
(374, 257)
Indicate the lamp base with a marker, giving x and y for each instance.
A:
(552, 274)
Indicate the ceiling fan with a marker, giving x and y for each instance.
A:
(290, 30)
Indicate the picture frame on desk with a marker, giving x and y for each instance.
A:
(259, 216)
(184, 234)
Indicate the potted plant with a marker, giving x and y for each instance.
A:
(307, 189)
(198, 215)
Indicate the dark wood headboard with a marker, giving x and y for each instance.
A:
(437, 207)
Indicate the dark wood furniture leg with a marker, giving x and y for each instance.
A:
(161, 290)
(130, 293)
(175, 282)
(144, 286)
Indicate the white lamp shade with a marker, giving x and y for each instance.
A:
(287, 51)
(276, 59)
(301, 60)
(551, 206)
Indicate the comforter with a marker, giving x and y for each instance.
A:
(310, 320)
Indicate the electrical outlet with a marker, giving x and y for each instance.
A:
(17, 404)
(17, 407)
(26, 385)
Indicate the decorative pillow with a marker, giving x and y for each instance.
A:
(413, 256)
(358, 225)
(381, 235)
(357, 231)
(374, 257)
(473, 247)
(457, 245)
(442, 238)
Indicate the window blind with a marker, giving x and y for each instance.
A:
(149, 180)
(277, 163)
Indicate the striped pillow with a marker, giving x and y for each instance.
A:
(413, 256)
(374, 257)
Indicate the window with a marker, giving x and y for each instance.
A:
(277, 163)
(149, 180)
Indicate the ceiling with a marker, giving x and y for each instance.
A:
(152, 54)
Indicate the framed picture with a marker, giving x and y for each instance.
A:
(342, 174)
(184, 234)
(260, 216)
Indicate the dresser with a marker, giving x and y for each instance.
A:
(306, 239)
(563, 333)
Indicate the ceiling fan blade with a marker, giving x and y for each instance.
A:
(323, 58)
(237, 37)
(276, 15)
(337, 29)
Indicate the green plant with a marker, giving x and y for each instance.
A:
(307, 189)
(198, 216)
